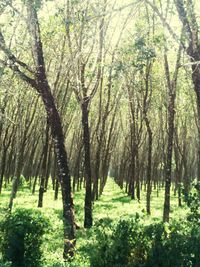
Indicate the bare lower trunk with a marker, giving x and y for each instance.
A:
(149, 166)
(63, 171)
(44, 166)
(96, 178)
(16, 179)
(168, 169)
(3, 166)
(86, 140)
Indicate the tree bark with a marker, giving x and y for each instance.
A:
(86, 140)
(149, 165)
(171, 84)
(44, 168)
(191, 27)
(168, 170)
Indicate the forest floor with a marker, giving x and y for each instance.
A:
(113, 205)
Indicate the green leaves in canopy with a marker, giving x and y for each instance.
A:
(143, 53)
(37, 3)
(136, 55)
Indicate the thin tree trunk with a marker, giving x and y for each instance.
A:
(44, 168)
(149, 165)
(171, 84)
(86, 140)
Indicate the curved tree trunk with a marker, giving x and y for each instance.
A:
(40, 84)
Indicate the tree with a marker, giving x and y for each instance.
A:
(86, 86)
(186, 11)
(41, 85)
(171, 85)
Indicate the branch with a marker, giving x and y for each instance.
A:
(183, 17)
(21, 74)
(165, 23)
(34, 29)
(17, 11)
(99, 58)
(190, 64)
(10, 56)
(116, 10)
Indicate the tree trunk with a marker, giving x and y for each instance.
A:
(37, 171)
(86, 140)
(16, 179)
(63, 169)
(191, 27)
(168, 169)
(96, 173)
(3, 166)
(149, 165)
(171, 84)
(56, 189)
(44, 168)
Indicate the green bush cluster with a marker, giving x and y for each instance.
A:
(21, 238)
(128, 243)
(5, 264)
(193, 202)
(131, 244)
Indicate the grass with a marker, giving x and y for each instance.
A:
(113, 205)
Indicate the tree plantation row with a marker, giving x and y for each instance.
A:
(98, 89)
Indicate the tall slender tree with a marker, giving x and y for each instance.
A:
(39, 82)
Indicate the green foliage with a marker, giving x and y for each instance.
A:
(5, 264)
(36, 3)
(3, 5)
(21, 237)
(169, 245)
(113, 204)
(122, 244)
(143, 52)
(193, 201)
(131, 244)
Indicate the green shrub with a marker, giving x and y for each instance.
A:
(100, 251)
(131, 244)
(193, 202)
(169, 245)
(5, 264)
(120, 245)
(21, 237)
